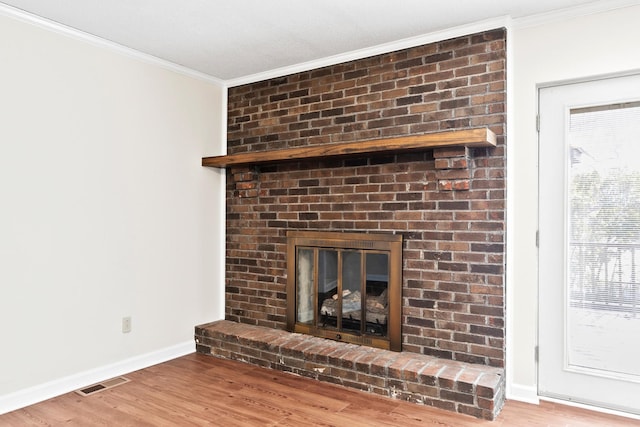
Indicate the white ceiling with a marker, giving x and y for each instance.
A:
(233, 39)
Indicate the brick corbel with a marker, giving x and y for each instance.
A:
(452, 166)
(245, 181)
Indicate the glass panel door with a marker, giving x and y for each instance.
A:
(589, 215)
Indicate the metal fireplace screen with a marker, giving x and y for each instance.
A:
(345, 286)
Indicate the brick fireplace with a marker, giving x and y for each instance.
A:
(447, 203)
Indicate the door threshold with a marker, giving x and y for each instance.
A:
(589, 407)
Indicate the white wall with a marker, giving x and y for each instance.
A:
(105, 210)
(549, 51)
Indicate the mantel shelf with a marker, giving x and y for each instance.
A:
(482, 137)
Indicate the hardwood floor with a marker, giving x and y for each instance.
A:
(202, 390)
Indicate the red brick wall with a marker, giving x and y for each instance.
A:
(448, 203)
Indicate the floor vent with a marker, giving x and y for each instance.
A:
(104, 385)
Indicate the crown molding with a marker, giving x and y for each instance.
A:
(436, 36)
(572, 12)
(409, 42)
(55, 27)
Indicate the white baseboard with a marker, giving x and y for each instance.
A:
(39, 393)
(523, 393)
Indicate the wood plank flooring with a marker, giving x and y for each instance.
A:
(198, 390)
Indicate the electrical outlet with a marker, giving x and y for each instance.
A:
(126, 325)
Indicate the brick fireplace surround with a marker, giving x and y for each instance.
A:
(448, 203)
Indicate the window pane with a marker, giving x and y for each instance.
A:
(604, 237)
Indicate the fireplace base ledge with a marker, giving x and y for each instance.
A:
(471, 389)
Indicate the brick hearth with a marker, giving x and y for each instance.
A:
(466, 388)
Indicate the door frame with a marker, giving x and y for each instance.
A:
(540, 215)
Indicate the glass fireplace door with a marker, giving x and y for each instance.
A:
(352, 297)
(305, 295)
(351, 288)
(345, 293)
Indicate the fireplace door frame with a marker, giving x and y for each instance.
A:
(391, 244)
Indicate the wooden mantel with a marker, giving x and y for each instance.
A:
(482, 137)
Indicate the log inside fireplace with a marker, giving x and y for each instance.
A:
(345, 286)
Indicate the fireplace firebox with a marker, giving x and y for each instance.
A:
(345, 286)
